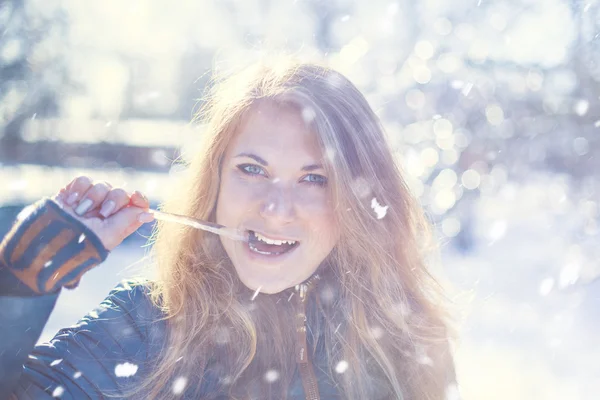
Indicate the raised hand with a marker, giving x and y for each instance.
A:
(111, 213)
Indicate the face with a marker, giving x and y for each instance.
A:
(274, 186)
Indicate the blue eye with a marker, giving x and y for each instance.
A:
(254, 170)
(315, 179)
(251, 169)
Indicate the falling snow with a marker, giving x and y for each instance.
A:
(377, 332)
(56, 362)
(58, 392)
(361, 188)
(308, 115)
(179, 385)
(546, 286)
(81, 238)
(222, 335)
(330, 154)
(341, 367)
(327, 294)
(569, 275)
(424, 359)
(227, 380)
(125, 370)
(380, 211)
(77, 375)
(256, 292)
(271, 376)
(520, 110)
(497, 230)
(581, 107)
(337, 328)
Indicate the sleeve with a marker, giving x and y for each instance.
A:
(104, 355)
(45, 250)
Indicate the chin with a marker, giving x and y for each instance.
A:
(265, 288)
(266, 285)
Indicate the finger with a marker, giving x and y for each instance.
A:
(61, 196)
(76, 188)
(92, 198)
(139, 200)
(126, 221)
(115, 200)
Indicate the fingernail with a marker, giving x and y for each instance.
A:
(142, 196)
(60, 200)
(83, 206)
(145, 217)
(72, 197)
(107, 208)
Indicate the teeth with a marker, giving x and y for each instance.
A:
(254, 249)
(272, 241)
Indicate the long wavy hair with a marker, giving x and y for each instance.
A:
(382, 313)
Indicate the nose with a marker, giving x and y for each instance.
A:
(278, 204)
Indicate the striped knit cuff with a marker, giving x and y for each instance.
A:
(48, 249)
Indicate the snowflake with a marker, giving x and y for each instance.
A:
(341, 367)
(77, 375)
(581, 107)
(330, 154)
(271, 376)
(125, 370)
(58, 391)
(256, 293)
(569, 274)
(379, 210)
(423, 358)
(361, 188)
(327, 294)
(222, 335)
(179, 385)
(308, 115)
(377, 332)
(546, 286)
(81, 238)
(56, 362)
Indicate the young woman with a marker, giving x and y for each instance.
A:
(328, 298)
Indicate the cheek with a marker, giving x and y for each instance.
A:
(321, 217)
(236, 196)
(316, 204)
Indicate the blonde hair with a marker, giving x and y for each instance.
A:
(383, 314)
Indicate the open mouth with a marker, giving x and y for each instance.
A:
(263, 245)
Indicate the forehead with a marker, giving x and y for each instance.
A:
(275, 130)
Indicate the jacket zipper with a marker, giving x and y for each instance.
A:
(307, 373)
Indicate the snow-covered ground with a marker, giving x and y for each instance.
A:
(526, 291)
(530, 297)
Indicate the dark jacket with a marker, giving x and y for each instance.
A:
(111, 348)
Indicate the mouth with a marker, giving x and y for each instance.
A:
(261, 244)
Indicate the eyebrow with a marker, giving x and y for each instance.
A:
(263, 162)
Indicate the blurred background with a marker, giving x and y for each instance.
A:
(492, 106)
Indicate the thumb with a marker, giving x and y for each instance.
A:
(127, 220)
